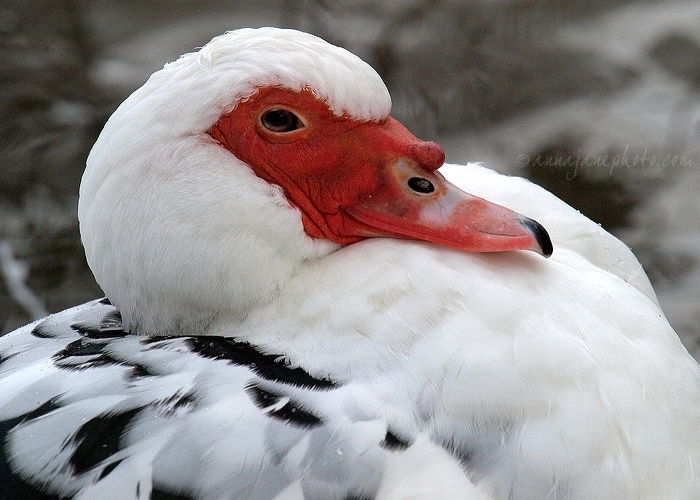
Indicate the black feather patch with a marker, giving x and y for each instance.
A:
(10, 356)
(98, 439)
(83, 354)
(393, 442)
(85, 364)
(156, 339)
(42, 410)
(82, 347)
(139, 371)
(290, 412)
(176, 404)
(43, 331)
(267, 366)
(160, 494)
(110, 326)
(109, 468)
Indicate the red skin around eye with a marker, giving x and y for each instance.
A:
(349, 178)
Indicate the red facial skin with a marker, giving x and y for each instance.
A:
(350, 178)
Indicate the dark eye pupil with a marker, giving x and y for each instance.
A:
(420, 185)
(280, 120)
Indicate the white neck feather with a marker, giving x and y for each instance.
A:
(186, 234)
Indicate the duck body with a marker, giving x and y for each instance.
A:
(254, 352)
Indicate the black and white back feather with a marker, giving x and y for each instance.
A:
(94, 410)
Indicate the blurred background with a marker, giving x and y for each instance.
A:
(597, 100)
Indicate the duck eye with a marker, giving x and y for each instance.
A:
(421, 185)
(280, 120)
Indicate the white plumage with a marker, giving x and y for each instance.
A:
(300, 368)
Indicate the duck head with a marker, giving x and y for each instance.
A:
(268, 148)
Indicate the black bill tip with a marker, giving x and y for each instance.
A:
(541, 236)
